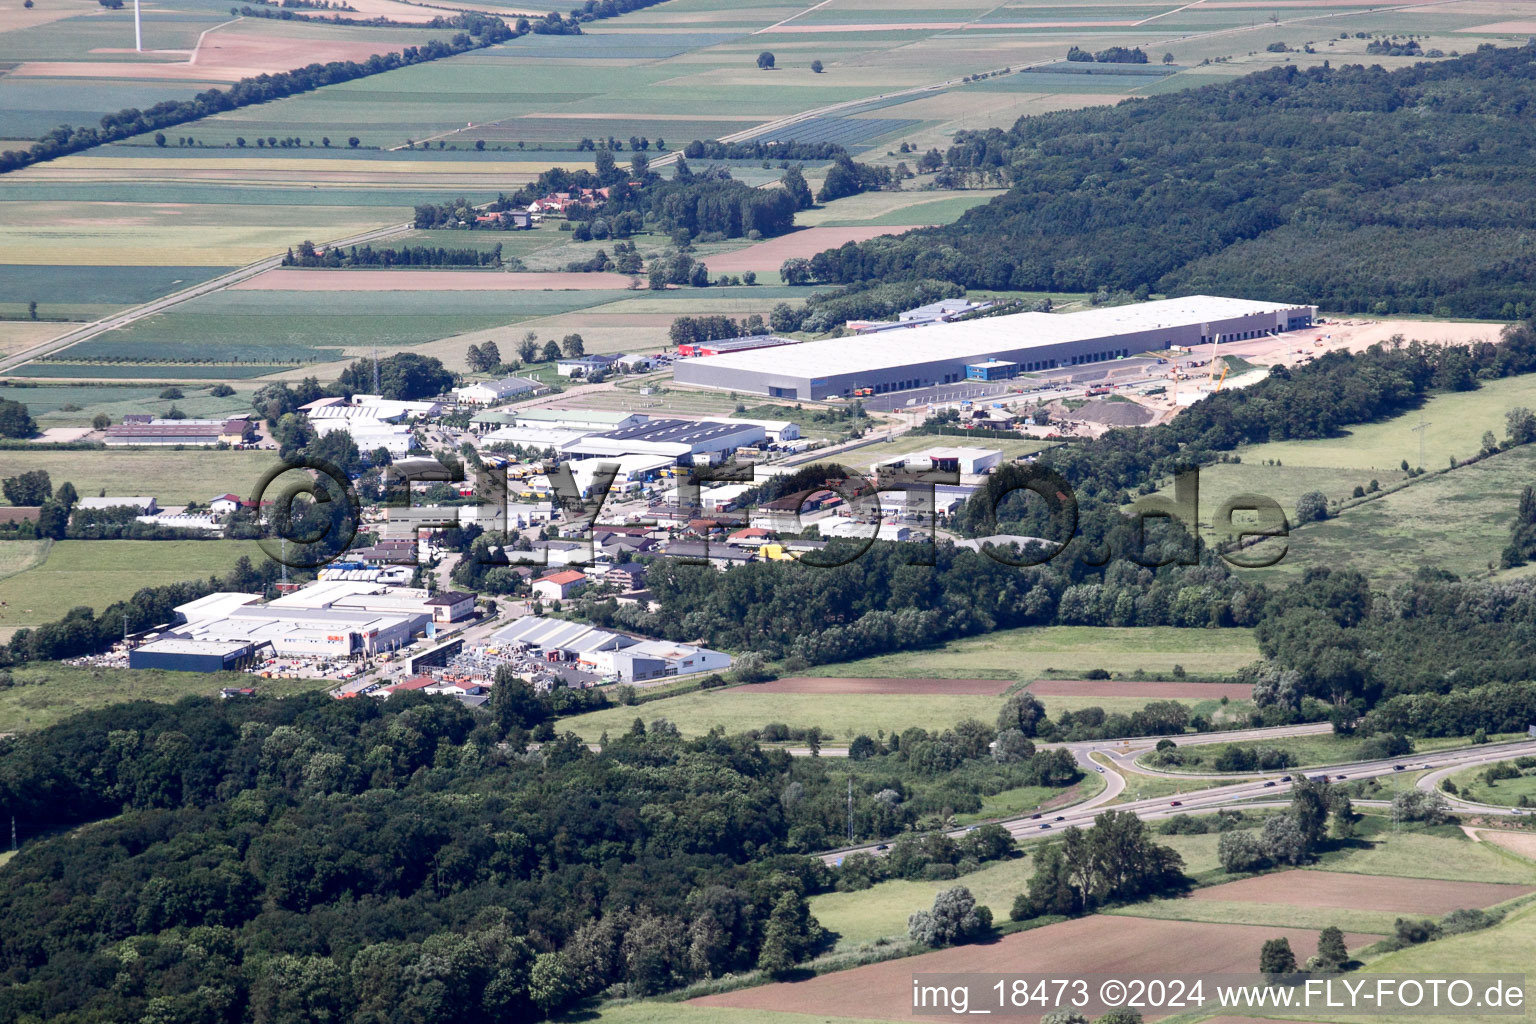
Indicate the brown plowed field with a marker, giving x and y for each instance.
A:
(225, 55)
(808, 684)
(1523, 843)
(289, 279)
(1122, 946)
(1151, 691)
(805, 243)
(1363, 892)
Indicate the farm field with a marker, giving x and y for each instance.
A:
(1145, 690)
(880, 912)
(1114, 945)
(44, 694)
(1336, 890)
(767, 255)
(906, 207)
(841, 717)
(1458, 520)
(84, 292)
(172, 477)
(1037, 651)
(98, 572)
(890, 687)
(171, 235)
(20, 335)
(74, 405)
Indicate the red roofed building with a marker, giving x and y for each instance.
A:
(558, 585)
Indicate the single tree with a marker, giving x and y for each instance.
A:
(1331, 952)
(816, 67)
(573, 346)
(765, 61)
(795, 184)
(551, 351)
(1276, 957)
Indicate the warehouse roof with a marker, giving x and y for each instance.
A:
(972, 339)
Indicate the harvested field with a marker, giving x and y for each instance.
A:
(292, 280)
(807, 684)
(1504, 28)
(1363, 892)
(804, 243)
(1151, 691)
(1523, 843)
(224, 56)
(1113, 945)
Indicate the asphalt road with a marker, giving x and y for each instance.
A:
(1246, 792)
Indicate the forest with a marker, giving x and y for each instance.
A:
(364, 861)
(1351, 187)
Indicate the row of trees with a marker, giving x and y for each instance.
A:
(478, 30)
(829, 309)
(406, 256)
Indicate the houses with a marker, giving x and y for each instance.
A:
(224, 504)
(516, 220)
(558, 585)
(561, 202)
(489, 392)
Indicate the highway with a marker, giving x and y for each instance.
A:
(1236, 792)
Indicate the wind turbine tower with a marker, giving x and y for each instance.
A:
(138, 32)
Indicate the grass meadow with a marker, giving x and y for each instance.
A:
(95, 573)
(41, 695)
(1044, 650)
(172, 477)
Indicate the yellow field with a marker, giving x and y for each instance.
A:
(172, 234)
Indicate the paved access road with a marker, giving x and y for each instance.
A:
(1249, 791)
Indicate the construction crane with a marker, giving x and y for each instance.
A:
(1216, 389)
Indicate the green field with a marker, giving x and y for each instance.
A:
(98, 572)
(41, 695)
(1458, 520)
(1502, 792)
(840, 717)
(1043, 650)
(1315, 750)
(74, 405)
(171, 477)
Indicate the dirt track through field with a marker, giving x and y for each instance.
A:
(1363, 892)
(1121, 946)
(807, 684)
(804, 243)
(1151, 691)
(294, 280)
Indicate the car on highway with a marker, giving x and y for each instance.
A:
(1099, 768)
(1177, 803)
(1285, 778)
(1399, 767)
(1033, 817)
(1061, 817)
(1046, 825)
(882, 847)
(1341, 775)
(1270, 784)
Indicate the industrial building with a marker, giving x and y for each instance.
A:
(335, 618)
(624, 657)
(942, 353)
(717, 348)
(195, 655)
(686, 442)
(163, 433)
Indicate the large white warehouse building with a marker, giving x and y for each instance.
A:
(940, 353)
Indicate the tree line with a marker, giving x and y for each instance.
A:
(406, 256)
